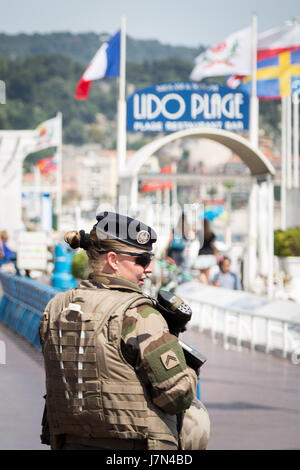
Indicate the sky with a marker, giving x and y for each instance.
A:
(189, 22)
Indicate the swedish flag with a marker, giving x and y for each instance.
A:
(276, 76)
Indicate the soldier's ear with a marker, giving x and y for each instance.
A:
(112, 260)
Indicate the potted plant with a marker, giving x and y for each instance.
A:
(80, 265)
(287, 253)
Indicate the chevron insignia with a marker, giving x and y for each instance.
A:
(169, 359)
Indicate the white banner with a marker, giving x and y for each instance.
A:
(280, 39)
(47, 134)
(232, 56)
(32, 250)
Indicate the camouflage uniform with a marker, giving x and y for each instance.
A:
(195, 431)
(154, 353)
(145, 333)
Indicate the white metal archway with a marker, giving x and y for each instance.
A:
(13, 145)
(261, 201)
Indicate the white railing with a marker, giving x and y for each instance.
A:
(242, 328)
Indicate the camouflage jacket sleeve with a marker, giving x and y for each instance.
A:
(159, 358)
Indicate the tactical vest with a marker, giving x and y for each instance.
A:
(92, 391)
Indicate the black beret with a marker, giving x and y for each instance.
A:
(114, 226)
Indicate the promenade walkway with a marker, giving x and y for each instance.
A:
(21, 394)
(253, 399)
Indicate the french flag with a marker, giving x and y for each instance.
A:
(106, 63)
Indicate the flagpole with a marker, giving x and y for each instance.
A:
(37, 187)
(289, 141)
(121, 141)
(254, 120)
(59, 172)
(174, 198)
(270, 236)
(296, 139)
(253, 134)
(283, 164)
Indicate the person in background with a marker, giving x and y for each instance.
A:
(226, 278)
(179, 239)
(6, 254)
(207, 255)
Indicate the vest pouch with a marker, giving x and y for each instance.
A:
(73, 387)
(162, 427)
(124, 406)
(154, 444)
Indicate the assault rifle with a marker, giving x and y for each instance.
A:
(177, 314)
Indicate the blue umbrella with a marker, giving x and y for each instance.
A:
(212, 212)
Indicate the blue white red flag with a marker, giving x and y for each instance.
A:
(106, 63)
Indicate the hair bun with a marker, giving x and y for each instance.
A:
(77, 239)
(73, 239)
(84, 240)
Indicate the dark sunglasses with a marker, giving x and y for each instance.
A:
(142, 259)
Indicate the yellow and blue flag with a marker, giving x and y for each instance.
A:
(276, 76)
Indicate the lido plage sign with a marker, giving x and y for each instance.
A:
(171, 107)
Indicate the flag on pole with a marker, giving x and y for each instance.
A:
(276, 76)
(46, 164)
(232, 56)
(271, 43)
(106, 63)
(277, 40)
(46, 135)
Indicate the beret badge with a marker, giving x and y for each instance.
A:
(143, 237)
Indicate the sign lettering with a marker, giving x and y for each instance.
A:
(175, 106)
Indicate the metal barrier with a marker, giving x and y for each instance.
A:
(22, 305)
(268, 325)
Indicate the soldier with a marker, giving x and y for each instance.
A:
(115, 376)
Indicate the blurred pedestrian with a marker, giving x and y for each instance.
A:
(226, 278)
(207, 255)
(178, 242)
(8, 258)
(6, 254)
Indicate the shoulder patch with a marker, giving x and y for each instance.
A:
(159, 372)
(169, 359)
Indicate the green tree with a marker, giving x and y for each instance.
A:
(75, 133)
(79, 265)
